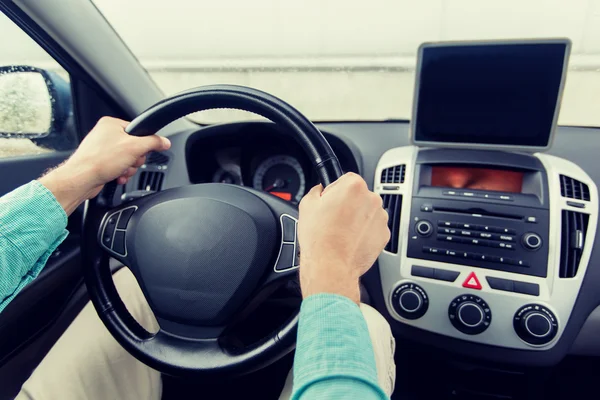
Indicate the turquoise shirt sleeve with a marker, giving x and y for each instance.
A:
(334, 355)
(32, 225)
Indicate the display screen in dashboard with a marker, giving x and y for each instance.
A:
(489, 93)
(477, 178)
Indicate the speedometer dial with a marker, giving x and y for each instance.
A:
(281, 176)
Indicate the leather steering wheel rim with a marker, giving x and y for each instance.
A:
(166, 352)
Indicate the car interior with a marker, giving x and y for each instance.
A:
(490, 281)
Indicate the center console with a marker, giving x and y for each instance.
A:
(495, 267)
(490, 237)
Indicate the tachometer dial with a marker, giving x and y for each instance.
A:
(281, 176)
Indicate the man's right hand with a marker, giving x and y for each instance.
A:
(341, 230)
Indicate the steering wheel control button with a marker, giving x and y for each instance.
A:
(297, 256)
(532, 241)
(125, 216)
(410, 301)
(119, 243)
(472, 282)
(109, 230)
(286, 257)
(535, 324)
(424, 228)
(470, 314)
(289, 229)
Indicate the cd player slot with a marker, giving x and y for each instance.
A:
(477, 212)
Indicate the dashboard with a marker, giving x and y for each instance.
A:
(257, 155)
(493, 253)
(369, 148)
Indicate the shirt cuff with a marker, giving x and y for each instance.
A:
(333, 341)
(35, 221)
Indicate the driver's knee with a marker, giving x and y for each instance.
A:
(130, 292)
(384, 346)
(88, 363)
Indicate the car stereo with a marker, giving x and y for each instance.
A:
(494, 217)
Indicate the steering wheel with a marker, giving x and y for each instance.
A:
(201, 253)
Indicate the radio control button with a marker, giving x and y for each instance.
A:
(433, 250)
(426, 207)
(532, 241)
(486, 235)
(448, 231)
(446, 238)
(447, 224)
(506, 238)
(424, 228)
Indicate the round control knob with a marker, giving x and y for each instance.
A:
(535, 324)
(532, 241)
(424, 228)
(470, 314)
(410, 301)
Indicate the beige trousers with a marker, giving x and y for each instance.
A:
(87, 363)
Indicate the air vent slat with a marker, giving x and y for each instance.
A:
(574, 189)
(151, 181)
(393, 205)
(155, 158)
(394, 174)
(573, 232)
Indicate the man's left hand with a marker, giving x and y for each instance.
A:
(107, 153)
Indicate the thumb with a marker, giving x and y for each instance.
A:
(146, 144)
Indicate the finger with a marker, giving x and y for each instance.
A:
(129, 172)
(111, 120)
(122, 180)
(312, 195)
(146, 144)
(140, 161)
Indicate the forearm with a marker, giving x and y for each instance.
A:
(32, 225)
(70, 186)
(334, 354)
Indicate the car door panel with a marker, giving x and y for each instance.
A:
(25, 169)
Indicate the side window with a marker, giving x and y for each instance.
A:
(36, 109)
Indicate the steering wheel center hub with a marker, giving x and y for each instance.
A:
(201, 254)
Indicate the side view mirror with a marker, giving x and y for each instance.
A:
(36, 104)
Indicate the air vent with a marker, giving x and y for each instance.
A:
(393, 205)
(151, 181)
(393, 174)
(155, 158)
(574, 189)
(574, 229)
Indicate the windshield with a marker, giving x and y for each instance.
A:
(343, 59)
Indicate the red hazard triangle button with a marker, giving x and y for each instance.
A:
(472, 282)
